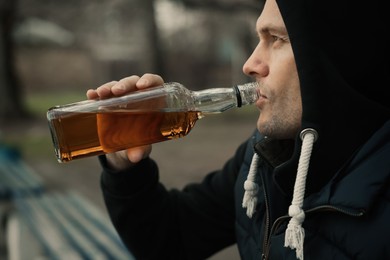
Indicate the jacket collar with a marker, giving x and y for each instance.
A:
(358, 184)
(274, 152)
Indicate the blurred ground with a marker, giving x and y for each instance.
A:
(212, 141)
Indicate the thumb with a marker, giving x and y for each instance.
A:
(136, 154)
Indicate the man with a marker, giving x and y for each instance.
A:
(312, 182)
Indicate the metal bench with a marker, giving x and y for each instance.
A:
(66, 226)
(41, 224)
(16, 177)
(17, 180)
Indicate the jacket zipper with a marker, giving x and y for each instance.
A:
(349, 212)
(267, 221)
(282, 219)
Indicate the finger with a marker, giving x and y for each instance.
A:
(136, 154)
(92, 94)
(104, 90)
(149, 80)
(118, 160)
(125, 85)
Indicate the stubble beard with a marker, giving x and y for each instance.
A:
(283, 126)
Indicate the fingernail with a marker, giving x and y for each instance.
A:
(142, 82)
(119, 87)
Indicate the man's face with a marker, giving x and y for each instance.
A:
(272, 64)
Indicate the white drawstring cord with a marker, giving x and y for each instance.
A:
(251, 188)
(295, 234)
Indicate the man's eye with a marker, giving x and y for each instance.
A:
(282, 38)
(276, 38)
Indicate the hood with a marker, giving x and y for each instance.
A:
(343, 66)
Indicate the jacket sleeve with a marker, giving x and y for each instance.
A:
(155, 223)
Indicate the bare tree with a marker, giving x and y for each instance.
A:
(11, 105)
(153, 34)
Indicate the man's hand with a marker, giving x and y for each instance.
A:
(126, 158)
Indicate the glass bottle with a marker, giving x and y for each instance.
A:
(94, 127)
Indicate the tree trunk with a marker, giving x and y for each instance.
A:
(155, 51)
(11, 105)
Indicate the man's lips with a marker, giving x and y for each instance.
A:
(260, 101)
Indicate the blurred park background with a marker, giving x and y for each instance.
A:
(52, 51)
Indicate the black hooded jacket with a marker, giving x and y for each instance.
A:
(343, 67)
(344, 75)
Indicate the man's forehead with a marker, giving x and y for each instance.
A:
(270, 18)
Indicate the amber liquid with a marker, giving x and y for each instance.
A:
(78, 135)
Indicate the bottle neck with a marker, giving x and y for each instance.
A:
(247, 94)
(217, 100)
